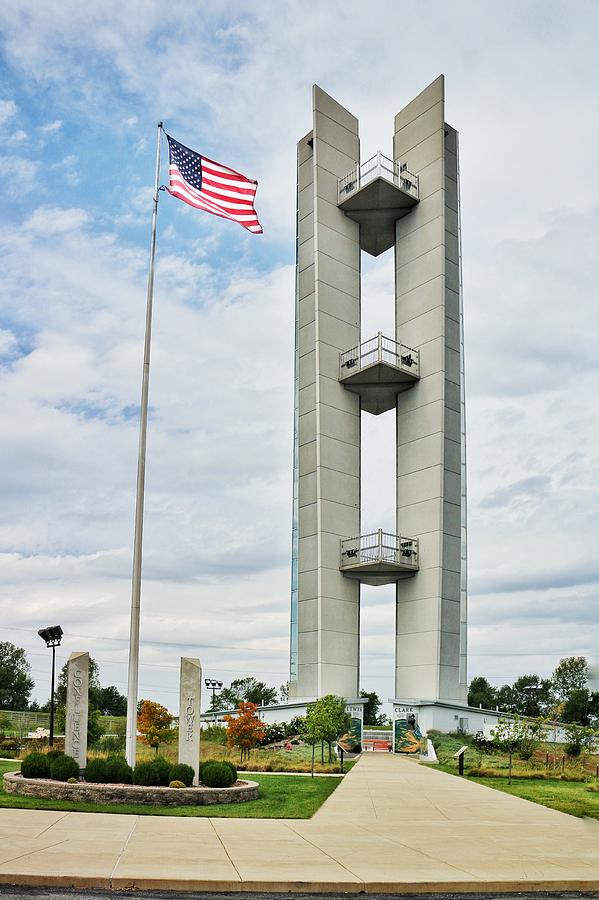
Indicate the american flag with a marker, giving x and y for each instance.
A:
(208, 185)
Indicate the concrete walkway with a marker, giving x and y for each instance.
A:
(391, 826)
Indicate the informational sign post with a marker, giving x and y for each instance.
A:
(189, 713)
(351, 741)
(407, 737)
(75, 731)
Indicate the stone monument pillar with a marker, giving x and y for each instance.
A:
(75, 733)
(189, 713)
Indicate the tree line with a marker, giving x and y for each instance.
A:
(564, 696)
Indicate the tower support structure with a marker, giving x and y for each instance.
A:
(409, 202)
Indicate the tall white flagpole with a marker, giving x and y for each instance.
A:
(133, 678)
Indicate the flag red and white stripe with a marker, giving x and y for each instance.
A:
(208, 185)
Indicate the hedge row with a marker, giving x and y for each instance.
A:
(115, 770)
(55, 764)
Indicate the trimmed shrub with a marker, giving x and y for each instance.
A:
(8, 754)
(35, 765)
(54, 754)
(182, 772)
(72, 780)
(144, 773)
(63, 767)
(218, 774)
(177, 784)
(9, 744)
(154, 773)
(227, 762)
(118, 770)
(162, 767)
(96, 771)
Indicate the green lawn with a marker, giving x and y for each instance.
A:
(566, 796)
(569, 797)
(281, 797)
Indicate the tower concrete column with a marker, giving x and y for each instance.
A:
(429, 417)
(328, 424)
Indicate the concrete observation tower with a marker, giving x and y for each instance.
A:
(344, 206)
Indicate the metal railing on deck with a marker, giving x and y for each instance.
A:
(378, 166)
(379, 349)
(379, 547)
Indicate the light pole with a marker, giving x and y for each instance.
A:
(213, 686)
(52, 636)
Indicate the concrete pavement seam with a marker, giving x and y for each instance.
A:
(125, 845)
(30, 852)
(48, 827)
(225, 849)
(328, 855)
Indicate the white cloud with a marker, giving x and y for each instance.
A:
(19, 174)
(51, 127)
(8, 109)
(218, 458)
(18, 136)
(54, 220)
(8, 342)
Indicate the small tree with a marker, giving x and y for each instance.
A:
(329, 717)
(517, 734)
(245, 729)
(311, 731)
(580, 738)
(154, 722)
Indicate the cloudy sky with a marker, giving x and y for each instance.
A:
(81, 88)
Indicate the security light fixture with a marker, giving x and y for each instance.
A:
(52, 635)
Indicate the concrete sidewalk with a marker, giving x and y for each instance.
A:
(391, 826)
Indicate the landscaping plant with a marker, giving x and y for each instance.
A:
(95, 771)
(63, 767)
(181, 772)
(218, 775)
(35, 765)
(244, 730)
(118, 770)
(152, 774)
(154, 721)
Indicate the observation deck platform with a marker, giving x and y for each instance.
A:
(378, 370)
(379, 557)
(376, 194)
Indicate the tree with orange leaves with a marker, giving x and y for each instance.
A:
(154, 722)
(244, 730)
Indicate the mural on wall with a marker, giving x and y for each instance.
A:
(407, 737)
(351, 741)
